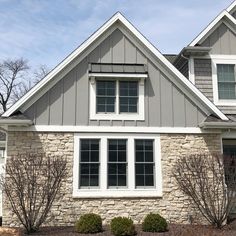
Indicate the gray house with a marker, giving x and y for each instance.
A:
(122, 114)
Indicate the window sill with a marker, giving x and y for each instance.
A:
(125, 116)
(117, 193)
(229, 102)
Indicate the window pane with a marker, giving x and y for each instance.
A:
(84, 180)
(84, 156)
(140, 169)
(112, 180)
(122, 180)
(105, 96)
(84, 169)
(105, 104)
(128, 96)
(117, 163)
(94, 180)
(226, 81)
(89, 163)
(144, 163)
(139, 179)
(149, 180)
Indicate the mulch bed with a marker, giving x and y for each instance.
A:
(174, 230)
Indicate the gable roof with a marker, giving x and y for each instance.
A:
(118, 17)
(224, 15)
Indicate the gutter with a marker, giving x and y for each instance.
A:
(218, 125)
(16, 122)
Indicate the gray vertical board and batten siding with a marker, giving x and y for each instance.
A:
(222, 41)
(67, 102)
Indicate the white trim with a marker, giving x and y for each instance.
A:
(231, 6)
(216, 59)
(118, 75)
(130, 190)
(229, 135)
(209, 28)
(116, 116)
(191, 69)
(111, 129)
(122, 19)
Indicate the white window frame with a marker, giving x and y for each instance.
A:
(140, 115)
(130, 190)
(215, 61)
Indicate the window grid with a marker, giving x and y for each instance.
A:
(144, 163)
(128, 96)
(106, 96)
(117, 163)
(89, 163)
(226, 81)
(117, 96)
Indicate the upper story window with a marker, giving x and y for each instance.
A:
(117, 96)
(224, 81)
(105, 96)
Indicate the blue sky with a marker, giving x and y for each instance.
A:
(46, 31)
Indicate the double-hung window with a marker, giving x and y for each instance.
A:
(117, 163)
(105, 96)
(89, 163)
(224, 81)
(144, 163)
(109, 166)
(116, 99)
(128, 96)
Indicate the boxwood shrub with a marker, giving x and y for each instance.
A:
(89, 224)
(122, 226)
(154, 223)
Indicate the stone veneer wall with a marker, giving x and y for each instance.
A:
(173, 205)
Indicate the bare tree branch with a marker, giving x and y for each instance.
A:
(40, 73)
(31, 184)
(11, 74)
(210, 182)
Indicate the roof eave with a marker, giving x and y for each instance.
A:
(218, 125)
(15, 122)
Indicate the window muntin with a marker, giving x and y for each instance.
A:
(144, 163)
(89, 163)
(226, 81)
(117, 163)
(106, 96)
(128, 96)
(124, 93)
(130, 190)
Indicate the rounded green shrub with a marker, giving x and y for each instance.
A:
(121, 226)
(89, 224)
(154, 223)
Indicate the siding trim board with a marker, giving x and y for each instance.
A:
(113, 129)
(81, 51)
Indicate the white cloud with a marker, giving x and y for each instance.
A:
(46, 31)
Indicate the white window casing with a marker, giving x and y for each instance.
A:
(221, 60)
(130, 190)
(140, 115)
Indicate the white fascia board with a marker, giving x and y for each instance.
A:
(231, 7)
(211, 26)
(112, 129)
(123, 20)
